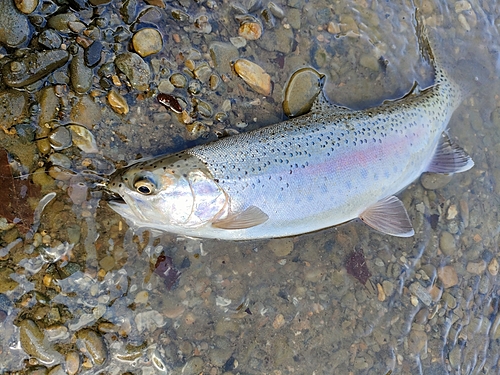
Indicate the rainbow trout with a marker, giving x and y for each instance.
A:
(315, 171)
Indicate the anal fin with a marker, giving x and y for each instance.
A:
(449, 158)
(250, 217)
(388, 216)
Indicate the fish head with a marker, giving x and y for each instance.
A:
(167, 192)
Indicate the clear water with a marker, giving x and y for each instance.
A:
(290, 306)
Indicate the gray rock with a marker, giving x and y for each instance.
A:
(81, 74)
(136, 70)
(434, 181)
(60, 22)
(447, 243)
(14, 26)
(94, 345)
(13, 108)
(32, 67)
(223, 54)
(49, 39)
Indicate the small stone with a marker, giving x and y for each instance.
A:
(92, 54)
(476, 268)
(194, 366)
(452, 212)
(434, 181)
(136, 70)
(254, 76)
(417, 341)
(107, 263)
(301, 91)
(493, 267)
(281, 246)
(60, 22)
(279, 321)
(420, 292)
(81, 74)
(222, 55)
(250, 30)
(370, 61)
(6, 283)
(83, 139)
(141, 297)
(147, 42)
(178, 80)
(450, 301)
(447, 243)
(72, 362)
(85, 111)
(26, 6)
(13, 108)
(50, 39)
(118, 102)
(94, 345)
(448, 276)
(381, 294)
(60, 138)
(33, 342)
(388, 287)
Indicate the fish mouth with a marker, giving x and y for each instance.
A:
(112, 197)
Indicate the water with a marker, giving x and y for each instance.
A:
(424, 305)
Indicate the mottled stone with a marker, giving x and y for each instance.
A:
(26, 6)
(147, 42)
(94, 345)
(81, 74)
(254, 76)
(33, 342)
(14, 26)
(136, 70)
(447, 243)
(448, 276)
(13, 108)
(223, 54)
(434, 181)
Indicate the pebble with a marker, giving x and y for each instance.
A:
(117, 102)
(33, 342)
(136, 70)
(85, 111)
(14, 26)
(94, 345)
(72, 362)
(6, 283)
(193, 366)
(279, 321)
(281, 246)
(83, 139)
(60, 138)
(222, 55)
(417, 341)
(26, 6)
(434, 181)
(301, 91)
(178, 80)
(49, 39)
(254, 76)
(419, 291)
(13, 108)
(476, 268)
(448, 276)
(147, 42)
(92, 54)
(493, 267)
(60, 22)
(250, 29)
(32, 67)
(447, 243)
(370, 61)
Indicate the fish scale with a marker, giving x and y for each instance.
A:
(315, 171)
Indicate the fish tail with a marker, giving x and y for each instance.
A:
(468, 74)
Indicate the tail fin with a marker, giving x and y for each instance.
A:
(468, 75)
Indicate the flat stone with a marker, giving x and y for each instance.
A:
(136, 70)
(32, 67)
(223, 54)
(421, 293)
(434, 181)
(14, 26)
(448, 276)
(476, 268)
(81, 74)
(447, 243)
(13, 108)
(92, 54)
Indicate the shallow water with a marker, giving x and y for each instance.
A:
(425, 305)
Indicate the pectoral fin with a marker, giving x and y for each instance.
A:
(389, 216)
(449, 158)
(248, 218)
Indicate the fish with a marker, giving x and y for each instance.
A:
(327, 167)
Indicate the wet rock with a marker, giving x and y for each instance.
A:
(81, 74)
(149, 320)
(13, 108)
(60, 138)
(14, 26)
(302, 90)
(434, 181)
(147, 42)
(99, 2)
(72, 362)
(448, 276)
(476, 268)
(136, 70)
(493, 267)
(254, 76)
(250, 28)
(447, 243)
(193, 367)
(279, 40)
(83, 139)
(34, 343)
(34, 66)
(117, 102)
(26, 6)
(85, 112)
(422, 293)
(60, 22)
(222, 55)
(129, 11)
(417, 341)
(92, 54)
(178, 80)
(94, 345)
(280, 247)
(49, 39)
(6, 283)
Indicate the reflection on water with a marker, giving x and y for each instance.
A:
(83, 294)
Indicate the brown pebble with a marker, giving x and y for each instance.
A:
(448, 276)
(254, 76)
(493, 267)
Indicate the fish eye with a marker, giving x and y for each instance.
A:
(144, 186)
